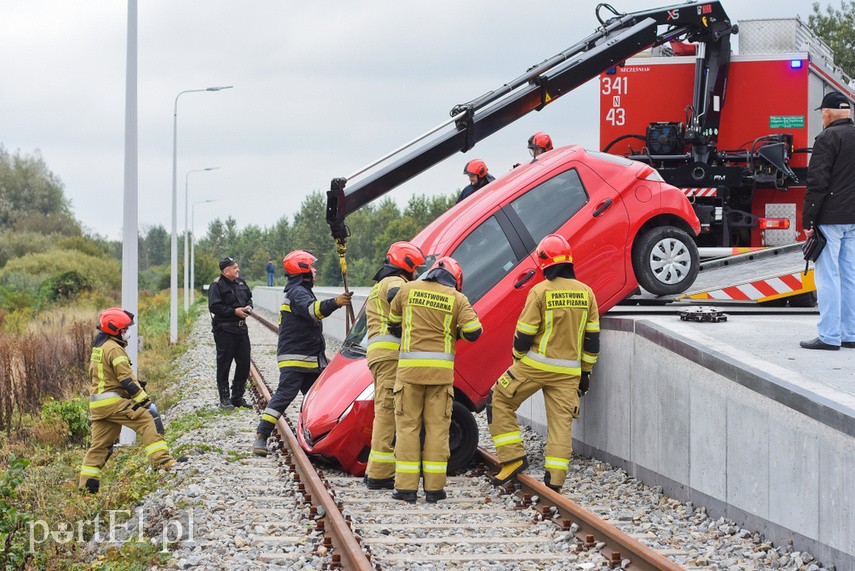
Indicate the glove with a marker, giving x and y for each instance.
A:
(584, 383)
(142, 383)
(343, 299)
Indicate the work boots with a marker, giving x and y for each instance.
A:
(92, 486)
(509, 470)
(380, 484)
(434, 496)
(259, 447)
(547, 479)
(226, 403)
(409, 496)
(240, 403)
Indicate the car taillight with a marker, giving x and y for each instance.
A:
(773, 223)
(650, 173)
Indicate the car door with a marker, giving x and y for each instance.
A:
(497, 275)
(578, 204)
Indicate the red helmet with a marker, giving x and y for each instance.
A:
(451, 266)
(540, 141)
(405, 256)
(113, 320)
(476, 167)
(554, 249)
(298, 262)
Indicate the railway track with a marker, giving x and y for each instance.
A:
(523, 525)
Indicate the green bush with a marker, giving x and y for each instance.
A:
(73, 413)
(65, 285)
(12, 520)
(104, 273)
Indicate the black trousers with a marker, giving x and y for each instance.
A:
(290, 382)
(232, 346)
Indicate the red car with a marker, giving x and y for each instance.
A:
(627, 228)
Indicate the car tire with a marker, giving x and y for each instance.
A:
(665, 260)
(462, 438)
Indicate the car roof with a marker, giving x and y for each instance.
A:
(455, 223)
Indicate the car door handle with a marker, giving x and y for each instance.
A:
(602, 207)
(528, 275)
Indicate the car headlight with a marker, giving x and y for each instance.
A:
(367, 394)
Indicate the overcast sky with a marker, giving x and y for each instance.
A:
(320, 89)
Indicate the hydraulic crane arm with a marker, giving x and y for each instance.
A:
(618, 38)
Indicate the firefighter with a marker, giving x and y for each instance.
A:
(431, 314)
(230, 303)
(556, 344)
(117, 399)
(400, 265)
(476, 170)
(539, 143)
(300, 353)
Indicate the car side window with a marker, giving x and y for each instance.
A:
(485, 256)
(546, 207)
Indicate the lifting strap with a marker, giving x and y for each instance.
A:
(341, 247)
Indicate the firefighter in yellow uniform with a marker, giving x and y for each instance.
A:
(118, 400)
(556, 344)
(400, 265)
(433, 314)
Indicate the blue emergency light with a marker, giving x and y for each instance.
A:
(795, 64)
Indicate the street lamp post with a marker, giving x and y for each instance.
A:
(193, 243)
(187, 237)
(173, 278)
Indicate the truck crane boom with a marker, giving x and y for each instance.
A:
(618, 38)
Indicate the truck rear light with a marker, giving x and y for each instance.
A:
(773, 223)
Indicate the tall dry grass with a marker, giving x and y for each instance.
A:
(34, 366)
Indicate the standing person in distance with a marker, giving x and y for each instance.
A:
(556, 344)
(300, 352)
(432, 315)
(118, 399)
(400, 266)
(476, 170)
(271, 272)
(539, 143)
(830, 207)
(230, 303)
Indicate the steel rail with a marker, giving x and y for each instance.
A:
(619, 545)
(344, 542)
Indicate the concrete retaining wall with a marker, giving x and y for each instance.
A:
(747, 445)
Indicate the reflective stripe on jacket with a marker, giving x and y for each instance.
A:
(301, 334)
(432, 317)
(382, 346)
(561, 319)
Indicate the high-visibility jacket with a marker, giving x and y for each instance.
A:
(432, 317)
(382, 344)
(111, 374)
(301, 334)
(558, 332)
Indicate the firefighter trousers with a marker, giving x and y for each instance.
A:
(290, 383)
(232, 346)
(381, 460)
(562, 406)
(107, 423)
(416, 406)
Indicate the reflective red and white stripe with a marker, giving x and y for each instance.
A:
(761, 290)
(700, 191)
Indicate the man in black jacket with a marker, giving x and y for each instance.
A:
(830, 208)
(476, 170)
(300, 353)
(230, 303)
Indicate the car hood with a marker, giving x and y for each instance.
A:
(334, 391)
